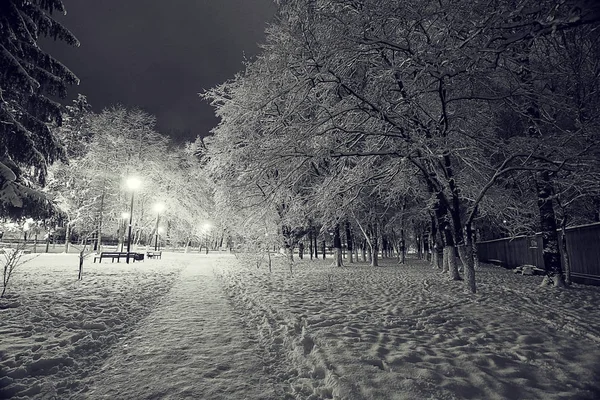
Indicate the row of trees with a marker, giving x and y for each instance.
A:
(446, 117)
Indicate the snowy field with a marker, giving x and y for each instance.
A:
(406, 332)
(392, 332)
(56, 330)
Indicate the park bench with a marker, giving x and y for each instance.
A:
(529, 270)
(118, 255)
(154, 254)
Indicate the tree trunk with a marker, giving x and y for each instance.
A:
(81, 258)
(565, 252)
(551, 255)
(465, 253)
(374, 256)
(324, 248)
(438, 245)
(385, 247)
(349, 243)
(466, 257)
(98, 246)
(452, 264)
(289, 252)
(310, 242)
(288, 242)
(475, 251)
(67, 236)
(402, 247)
(373, 244)
(439, 256)
(417, 244)
(337, 246)
(119, 238)
(445, 262)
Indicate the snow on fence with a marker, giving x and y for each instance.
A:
(583, 246)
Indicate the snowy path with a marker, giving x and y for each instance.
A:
(191, 346)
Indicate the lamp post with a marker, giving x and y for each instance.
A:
(133, 183)
(158, 207)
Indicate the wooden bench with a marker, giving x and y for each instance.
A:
(118, 255)
(154, 254)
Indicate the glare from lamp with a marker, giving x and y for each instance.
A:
(133, 183)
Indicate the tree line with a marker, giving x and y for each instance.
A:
(387, 124)
(442, 118)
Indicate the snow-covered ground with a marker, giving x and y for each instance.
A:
(406, 332)
(56, 330)
(213, 327)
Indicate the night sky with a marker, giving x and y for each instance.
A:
(158, 55)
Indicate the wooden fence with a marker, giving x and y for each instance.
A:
(583, 247)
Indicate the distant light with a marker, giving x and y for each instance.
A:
(125, 215)
(207, 226)
(133, 183)
(159, 207)
(504, 221)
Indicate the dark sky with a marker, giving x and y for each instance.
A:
(158, 55)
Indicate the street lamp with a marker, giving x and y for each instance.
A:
(158, 207)
(133, 183)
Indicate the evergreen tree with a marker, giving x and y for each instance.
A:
(28, 78)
